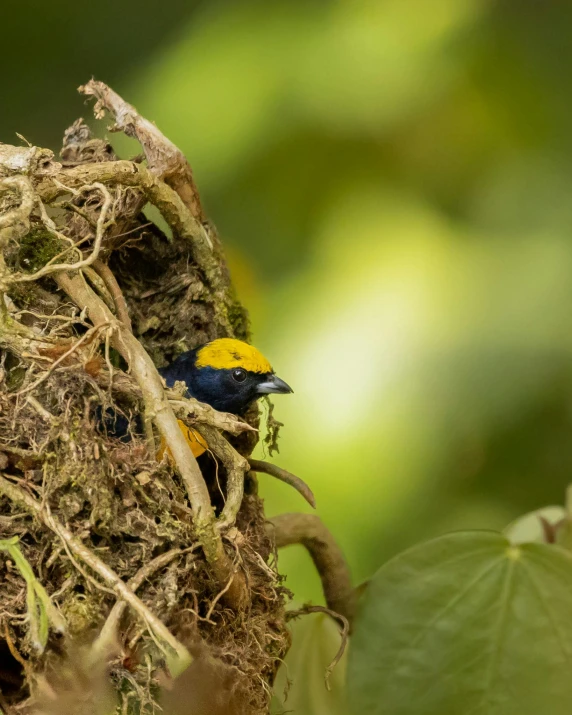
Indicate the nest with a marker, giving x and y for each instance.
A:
(133, 566)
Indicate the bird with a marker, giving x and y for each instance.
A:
(225, 373)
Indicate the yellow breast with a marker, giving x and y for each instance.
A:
(195, 441)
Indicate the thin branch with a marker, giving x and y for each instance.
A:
(257, 465)
(310, 531)
(164, 159)
(111, 625)
(24, 500)
(344, 634)
(104, 272)
(205, 414)
(236, 467)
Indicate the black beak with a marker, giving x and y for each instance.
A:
(273, 385)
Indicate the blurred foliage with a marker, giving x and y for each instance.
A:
(392, 180)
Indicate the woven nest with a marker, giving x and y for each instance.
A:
(74, 500)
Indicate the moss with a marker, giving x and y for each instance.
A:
(15, 378)
(239, 319)
(82, 613)
(37, 248)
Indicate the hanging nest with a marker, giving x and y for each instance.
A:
(118, 569)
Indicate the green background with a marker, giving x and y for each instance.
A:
(393, 181)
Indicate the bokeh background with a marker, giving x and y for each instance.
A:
(393, 181)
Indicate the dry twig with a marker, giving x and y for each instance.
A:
(102, 269)
(108, 633)
(164, 159)
(344, 633)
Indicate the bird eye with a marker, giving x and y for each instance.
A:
(239, 374)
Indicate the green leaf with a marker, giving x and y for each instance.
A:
(529, 528)
(41, 610)
(467, 624)
(300, 687)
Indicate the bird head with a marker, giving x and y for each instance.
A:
(227, 374)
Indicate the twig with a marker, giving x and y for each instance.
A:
(257, 465)
(344, 634)
(110, 627)
(205, 414)
(236, 467)
(217, 598)
(86, 336)
(311, 532)
(164, 159)
(18, 496)
(41, 410)
(112, 286)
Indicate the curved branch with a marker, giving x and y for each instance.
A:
(164, 159)
(166, 199)
(310, 531)
(257, 465)
(236, 467)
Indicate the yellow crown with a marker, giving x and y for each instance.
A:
(228, 353)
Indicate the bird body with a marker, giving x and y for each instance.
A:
(227, 374)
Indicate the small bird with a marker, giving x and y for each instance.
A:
(225, 373)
